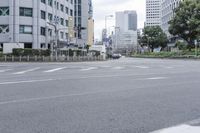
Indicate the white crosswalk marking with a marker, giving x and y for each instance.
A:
(88, 69)
(1, 71)
(29, 70)
(56, 69)
(143, 67)
(156, 78)
(118, 68)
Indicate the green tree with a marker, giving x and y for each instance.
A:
(186, 22)
(154, 37)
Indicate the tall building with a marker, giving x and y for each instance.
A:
(168, 7)
(126, 20)
(26, 21)
(83, 21)
(126, 30)
(153, 13)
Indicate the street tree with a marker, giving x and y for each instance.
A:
(186, 21)
(154, 37)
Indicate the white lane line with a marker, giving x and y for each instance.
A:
(1, 71)
(53, 70)
(189, 127)
(156, 78)
(27, 81)
(29, 70)
(88, 69)
(180, 129)
(118, 68)
(143, 67)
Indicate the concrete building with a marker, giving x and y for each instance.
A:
(25, 21)
(84, 21)
(153, 13)
(125, 30)
(167, 8)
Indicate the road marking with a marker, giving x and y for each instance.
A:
(118, 68)
(29, 70)
(27, 81)
(143, 67)
(190, 127)
(157, 78)
(88, 69)
(1, 71)
(53, 70)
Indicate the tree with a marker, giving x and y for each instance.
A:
(186, 22)
(154, 37)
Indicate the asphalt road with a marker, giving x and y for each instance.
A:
(119, 96)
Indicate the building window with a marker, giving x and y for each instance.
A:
(43, 1)
(71, 12)
(66, 23)
(43, 15)
(4, 11)
(42, 31)
(61, 21)
(61, 35)
(50, 3)
(50, 17)
(62, 7)
(25, 29)
(28, 12)
(4, 29)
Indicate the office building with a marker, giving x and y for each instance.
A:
(84, 22)
(33, 22)
(125, 30)
(168, 7)
(153, 13)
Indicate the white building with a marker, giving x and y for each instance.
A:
(25, 21)
(153, 13)
(125, 30)
(168, 7)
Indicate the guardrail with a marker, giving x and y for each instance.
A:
(50, 59)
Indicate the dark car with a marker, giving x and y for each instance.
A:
(116, 56)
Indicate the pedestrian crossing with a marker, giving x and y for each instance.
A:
(56, 69)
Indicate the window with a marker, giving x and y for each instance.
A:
(25, 29)
(43, 1)
(66, 10)
(62, 35)
(50, 17)
(43, 15)
(66, 23)
(4, 11)
(42, 31)
(50, 3)
(4, 29)
(71, 12)
(62, 7)
(28, 12)
(61, 21)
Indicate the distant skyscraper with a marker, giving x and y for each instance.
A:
(126, 20)
(126, 30)
(153, 13)
(167, 8)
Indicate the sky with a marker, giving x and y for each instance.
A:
(103, 8)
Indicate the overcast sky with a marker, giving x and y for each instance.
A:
(108, 7)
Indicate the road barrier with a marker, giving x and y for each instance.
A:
(50, 59)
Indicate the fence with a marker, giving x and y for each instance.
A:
(50, 59)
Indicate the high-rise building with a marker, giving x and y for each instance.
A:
(126, 20)
(27, 21)
(126, 30)
(153, 13)
(83, 21)
(168, 7)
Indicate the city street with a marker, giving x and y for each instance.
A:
(128, 95)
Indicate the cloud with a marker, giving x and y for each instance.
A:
(107, 7)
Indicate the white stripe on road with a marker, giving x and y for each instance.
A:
(27, 81)
(53, 70)
(118, 68)
(143, 67)
(88, 69)
(29, 70)
(156, 78)
(1, 71)
(189, 127)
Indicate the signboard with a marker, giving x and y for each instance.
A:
(71, 27)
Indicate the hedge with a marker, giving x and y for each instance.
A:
(30, 52)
